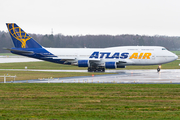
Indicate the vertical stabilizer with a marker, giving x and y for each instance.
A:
(20, 38)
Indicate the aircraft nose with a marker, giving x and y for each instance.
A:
(176, 57)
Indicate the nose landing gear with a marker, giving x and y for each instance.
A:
(159, 68)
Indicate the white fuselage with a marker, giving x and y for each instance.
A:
(125, 55)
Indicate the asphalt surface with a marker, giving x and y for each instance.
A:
(120, 76)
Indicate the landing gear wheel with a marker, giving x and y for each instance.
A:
(158, 69)
(89, 70)
(100, 69)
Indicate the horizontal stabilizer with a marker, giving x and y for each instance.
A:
(19, 51)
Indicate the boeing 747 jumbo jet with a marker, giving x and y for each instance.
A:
(96, 59)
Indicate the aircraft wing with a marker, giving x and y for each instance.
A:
(64, 58)
(125, 61)
(122, 61)
(74, 58)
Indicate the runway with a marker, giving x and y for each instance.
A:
(119, 76)
(171, 76)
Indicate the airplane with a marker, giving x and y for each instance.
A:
(96, 59)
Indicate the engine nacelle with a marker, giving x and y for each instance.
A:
(110, 65)
(83, 63)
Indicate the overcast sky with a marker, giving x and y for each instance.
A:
(81, 17)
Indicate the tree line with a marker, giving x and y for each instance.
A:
(95, 41)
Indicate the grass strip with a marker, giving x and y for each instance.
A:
(89, 101)
(29, 75)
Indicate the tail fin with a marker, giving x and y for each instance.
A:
(20, 38)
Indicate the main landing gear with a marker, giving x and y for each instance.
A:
(159, 68)
(93, 69)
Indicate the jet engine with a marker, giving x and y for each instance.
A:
(83, 63)
(110, 65)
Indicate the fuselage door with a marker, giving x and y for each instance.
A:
(153, 56)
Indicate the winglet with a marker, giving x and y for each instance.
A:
(20, 38)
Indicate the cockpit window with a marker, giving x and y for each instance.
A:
(164, 49)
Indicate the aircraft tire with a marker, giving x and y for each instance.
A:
(158, 69)
(101, 69)
(96, 69)
(89, 70)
